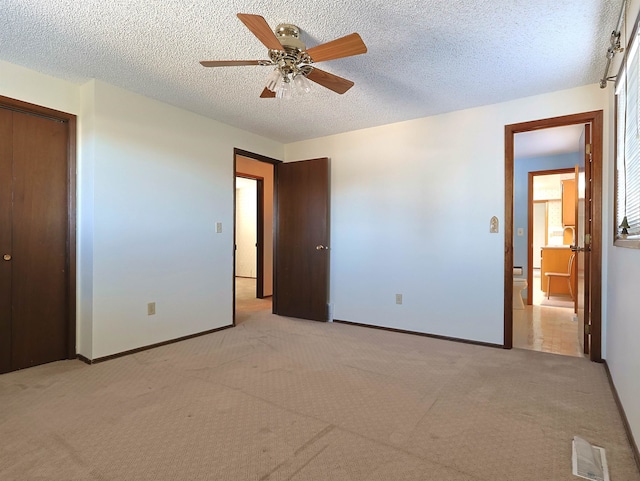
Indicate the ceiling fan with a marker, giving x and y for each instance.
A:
(292, 60)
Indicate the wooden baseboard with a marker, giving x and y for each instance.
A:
(623, 415)
(84, 359)
(424, 334)
(151, 346)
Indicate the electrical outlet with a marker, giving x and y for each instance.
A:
(398, 298)
(520, 231)
(151, 309)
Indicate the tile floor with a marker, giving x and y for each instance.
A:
(547, 329)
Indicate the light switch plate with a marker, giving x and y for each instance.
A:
(520, 231)
(493, 225)
(218, 227)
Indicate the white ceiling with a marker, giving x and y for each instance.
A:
(553, 141)
(425, 56)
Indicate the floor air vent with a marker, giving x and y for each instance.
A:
(589, 462)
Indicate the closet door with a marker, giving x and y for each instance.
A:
(35, 260)
(6, 154)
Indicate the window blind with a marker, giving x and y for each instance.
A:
(628, 143)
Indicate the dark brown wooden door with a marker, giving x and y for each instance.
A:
(6, 156)
(302, 235)
(34, 240)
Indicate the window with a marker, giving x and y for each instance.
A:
(628, 149)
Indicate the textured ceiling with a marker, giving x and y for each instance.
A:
(425, 56)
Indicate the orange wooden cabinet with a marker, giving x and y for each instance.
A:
(569, 203)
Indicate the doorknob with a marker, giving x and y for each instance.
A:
(320, 247)
(6, 257)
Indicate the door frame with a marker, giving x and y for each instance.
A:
(260, 254)
(595, 118)
(70, 284)
(532, 175)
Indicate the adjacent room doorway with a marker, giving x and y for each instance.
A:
(587, 241)
(254, 217)
(294, 247)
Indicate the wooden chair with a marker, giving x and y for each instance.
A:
(565, 275)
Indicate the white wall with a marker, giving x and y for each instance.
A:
(163, 178)
(410, 209)
(623, 353)
(623, 285)
(84, 238)
(246, 228)
(23, 84)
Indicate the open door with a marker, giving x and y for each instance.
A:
(302, 234)
(582, 241)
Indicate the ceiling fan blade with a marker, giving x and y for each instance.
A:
(233, 63)
(261, 29)
(339, 48)
(267, 94)
(332, 82)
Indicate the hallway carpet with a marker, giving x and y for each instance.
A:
(283, 399)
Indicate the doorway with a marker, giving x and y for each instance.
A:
(546, 321)
(588, 242)
(546, 229)
(37, 235)
(249, 244)
(249, 231)
(296, 234)
(254, 183)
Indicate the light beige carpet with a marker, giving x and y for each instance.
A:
(282, 399)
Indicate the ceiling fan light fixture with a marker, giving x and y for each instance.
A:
(293, 85)
(284, 90)
(287, 84)
(293, 72)
(302, 84)
(273, 80)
